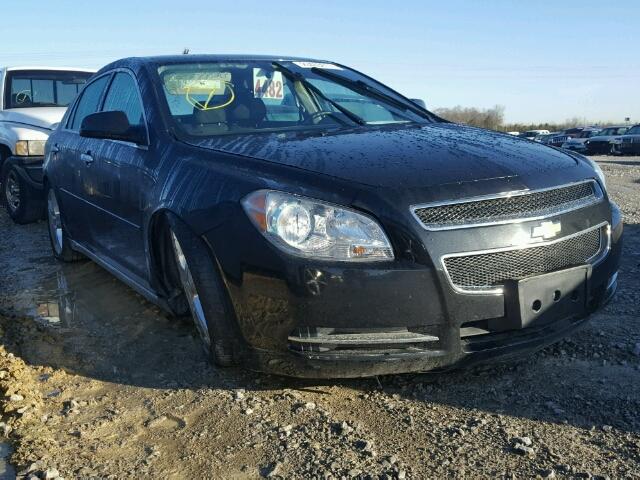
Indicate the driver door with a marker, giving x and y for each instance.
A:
(121, 182)
(76, 176)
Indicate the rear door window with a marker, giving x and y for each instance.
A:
(89, 101)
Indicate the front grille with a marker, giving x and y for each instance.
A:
(515, 207)
(487, 271)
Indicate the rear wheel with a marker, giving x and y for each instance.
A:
(206, 295)
(22, 201)
(60, 243)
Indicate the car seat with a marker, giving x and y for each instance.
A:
(247, 111)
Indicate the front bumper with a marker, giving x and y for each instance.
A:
(575, 147)
(30, 169)
(392, 318)
(598, 147)
(629, 148)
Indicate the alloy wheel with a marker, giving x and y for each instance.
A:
(55, 222)
(190, 290)
(12, 191)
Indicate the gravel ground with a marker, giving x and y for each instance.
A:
(98, 383)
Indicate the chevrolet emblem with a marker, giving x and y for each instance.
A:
(546, 230)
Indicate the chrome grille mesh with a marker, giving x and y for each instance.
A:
(487, 270)
(528, 205)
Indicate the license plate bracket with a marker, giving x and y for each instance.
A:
(539, 300)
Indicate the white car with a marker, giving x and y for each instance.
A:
(532, 134)
(32, 101)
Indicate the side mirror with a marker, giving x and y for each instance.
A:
(419, 102)
(111, 126)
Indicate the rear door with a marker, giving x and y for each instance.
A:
(75, 183)
(121, 182)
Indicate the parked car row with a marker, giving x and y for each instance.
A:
(613, 140)
(314, 222)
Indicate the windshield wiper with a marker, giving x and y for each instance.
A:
(298, 77)
(360, 86)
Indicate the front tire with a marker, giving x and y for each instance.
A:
(206, 295)
(21, 200)
(60, 244)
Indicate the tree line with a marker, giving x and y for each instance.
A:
(493, 119)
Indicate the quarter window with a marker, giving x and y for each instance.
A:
(123, 96)
(89, 101)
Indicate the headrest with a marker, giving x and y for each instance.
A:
(248, 111)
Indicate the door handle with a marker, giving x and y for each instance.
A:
(86, 158)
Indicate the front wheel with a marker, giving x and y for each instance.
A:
(60, 244)
(22, 201)
(206, 295)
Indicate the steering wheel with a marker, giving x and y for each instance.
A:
(321, 113)
(326, 113)
(23, 96)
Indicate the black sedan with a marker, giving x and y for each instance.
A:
(627, 144)
(316, 223)
(600, 144)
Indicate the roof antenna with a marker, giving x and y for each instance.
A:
(185, 51)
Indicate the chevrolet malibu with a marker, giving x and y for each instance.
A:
(314, 222)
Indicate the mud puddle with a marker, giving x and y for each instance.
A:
(91, 324)
(7, 472)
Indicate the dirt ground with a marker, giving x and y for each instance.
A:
(98, 383)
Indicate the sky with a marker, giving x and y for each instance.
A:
(543, 60)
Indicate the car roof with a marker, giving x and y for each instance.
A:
(218, 57)
(56, 69)
(137, 62)
(613, 126)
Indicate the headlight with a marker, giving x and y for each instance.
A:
(314, 229)
(598, 171)
(30, 148)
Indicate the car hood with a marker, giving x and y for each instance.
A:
(602, 138)
(400, 156)
(41, 117)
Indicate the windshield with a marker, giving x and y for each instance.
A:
(633, 130)
(217, 98)
(43, 88)
(587, 134)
